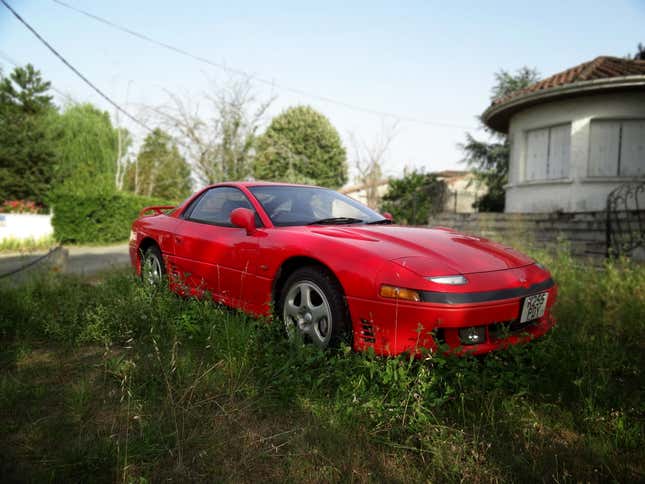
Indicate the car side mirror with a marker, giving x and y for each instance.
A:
(388, 216)
(244, 218)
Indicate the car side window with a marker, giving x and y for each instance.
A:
(215, 206)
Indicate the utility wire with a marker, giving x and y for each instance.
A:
(9, 60)
(76, 71)
(13, 62)
(253, 77)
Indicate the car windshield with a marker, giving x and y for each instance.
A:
(299, 205)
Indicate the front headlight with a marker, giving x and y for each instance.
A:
(457, 280)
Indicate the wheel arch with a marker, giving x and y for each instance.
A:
(293, 263)
(145, 244)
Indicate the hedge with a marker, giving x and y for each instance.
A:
(97, 218)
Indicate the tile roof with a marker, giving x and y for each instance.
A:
(602, 67)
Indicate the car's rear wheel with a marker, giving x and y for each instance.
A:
(153, 269)
(313, 308)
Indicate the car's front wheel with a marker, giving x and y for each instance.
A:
(153, 269)
(313, 307)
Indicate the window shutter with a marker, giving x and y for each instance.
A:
(603, 152)
(559, 149)
(537, 145)
(632, 149)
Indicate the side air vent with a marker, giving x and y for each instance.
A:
(367, 331)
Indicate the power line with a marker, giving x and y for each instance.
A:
(76, 71)
(261, 80)
(13, 62)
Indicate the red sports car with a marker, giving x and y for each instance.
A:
(333, 270)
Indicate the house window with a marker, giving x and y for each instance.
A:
(547, 153)
(617, 148)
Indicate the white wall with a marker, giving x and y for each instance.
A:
(25, 226)
(578, 192)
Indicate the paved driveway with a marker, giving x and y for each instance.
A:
(73, 260)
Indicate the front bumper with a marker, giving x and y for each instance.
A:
(134, 257)
(394, 327)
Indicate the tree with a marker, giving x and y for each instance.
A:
(412, 198)
(221, 147)
(159, 170)
(26, 143)
(301, 145)
(507, 82)
(489, 161)
(368, 159)
(640, 53)
(87, 149)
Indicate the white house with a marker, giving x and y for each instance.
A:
(574, 136)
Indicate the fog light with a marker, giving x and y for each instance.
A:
(472, 335)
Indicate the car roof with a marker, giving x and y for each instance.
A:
(249, 184)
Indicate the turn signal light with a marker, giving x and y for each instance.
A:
(394, 292)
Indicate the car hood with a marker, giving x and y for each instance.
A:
(429, 252)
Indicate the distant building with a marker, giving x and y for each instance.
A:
(462, 190)
(574, 136)
(359, 191)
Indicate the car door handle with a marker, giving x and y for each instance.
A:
(178, 240)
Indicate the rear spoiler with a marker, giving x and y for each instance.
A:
(158, 209)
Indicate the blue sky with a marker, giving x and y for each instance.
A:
(427, 60)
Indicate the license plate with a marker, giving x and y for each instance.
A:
(534, 307)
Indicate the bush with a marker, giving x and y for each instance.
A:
(97, 218)
(21, 206)
(412, 198)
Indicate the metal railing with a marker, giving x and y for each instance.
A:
(625, 219)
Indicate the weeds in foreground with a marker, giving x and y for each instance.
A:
(154, 386)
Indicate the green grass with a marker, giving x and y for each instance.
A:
(114, 381)
(27, 245)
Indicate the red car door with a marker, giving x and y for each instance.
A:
(211, 254)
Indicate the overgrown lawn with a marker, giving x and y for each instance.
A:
(111, 380)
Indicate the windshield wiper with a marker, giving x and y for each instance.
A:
(337, 220)
(385, 221)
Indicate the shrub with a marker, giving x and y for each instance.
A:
(84, 218)
(413, 197)
(21, 206)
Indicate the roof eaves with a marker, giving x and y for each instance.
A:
(580, 87)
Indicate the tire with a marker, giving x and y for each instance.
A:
(313, 308)
(153, 270)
